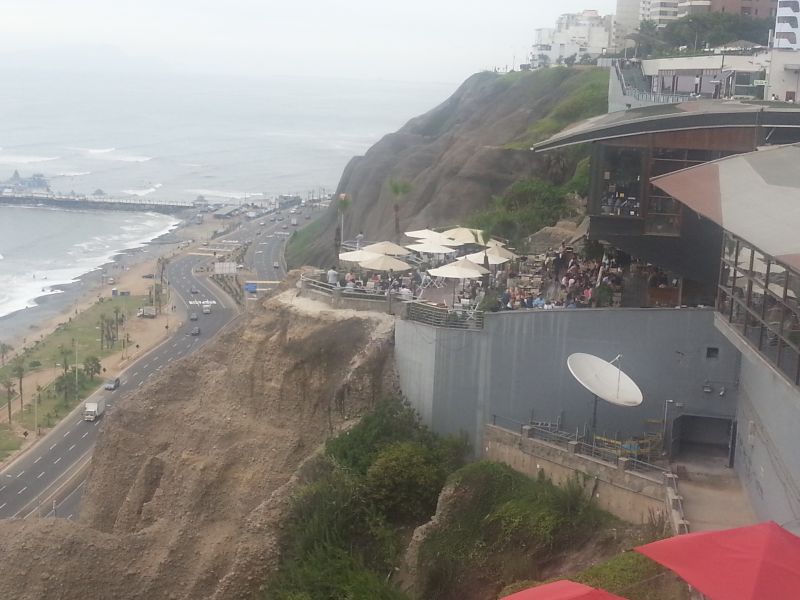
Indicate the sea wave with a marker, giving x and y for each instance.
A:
(73, 174)
(142, 192)
(230, 195)
(130, 158)
(99, 150)
(19, 289)
(24, 159)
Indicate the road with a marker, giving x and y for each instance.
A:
(55, 459)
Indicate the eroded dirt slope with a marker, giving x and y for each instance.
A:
(192, 474)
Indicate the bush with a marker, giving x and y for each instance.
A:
(404, 482)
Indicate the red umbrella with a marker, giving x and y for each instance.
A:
(747, 563)
(562, 590)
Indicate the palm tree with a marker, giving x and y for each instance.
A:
(5, 349)
(18, 371)
(8, 385)
(92, 366)
(399, 189)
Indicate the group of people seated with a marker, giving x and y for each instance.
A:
(399, 283)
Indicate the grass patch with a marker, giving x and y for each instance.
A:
(501, 525)
(81, 328)
(52, 406)
(299, 245)
(9, 443)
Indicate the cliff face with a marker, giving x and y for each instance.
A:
(455, 157)
(192, 474)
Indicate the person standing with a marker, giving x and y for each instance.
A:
(333, 277)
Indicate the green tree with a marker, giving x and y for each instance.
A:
(399, 189)
(18, 371)
(8, 386)
(570, 60)
(5, 349)
(92, 366)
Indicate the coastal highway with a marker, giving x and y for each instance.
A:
(53, 462)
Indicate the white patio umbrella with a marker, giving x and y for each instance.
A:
(502, 252)
(385, 263)
(494, 259)
(493, 243)
(465, 235)
(422, 233)
(430, 247)
(459, 269)
(356, 256)
(387, 248)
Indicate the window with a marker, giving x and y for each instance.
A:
(712, 352)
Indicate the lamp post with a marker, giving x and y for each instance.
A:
(667, 403)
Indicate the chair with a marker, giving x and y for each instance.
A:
(370, 287)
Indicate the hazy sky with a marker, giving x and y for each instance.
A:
(431, 40)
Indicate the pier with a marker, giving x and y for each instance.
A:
(90, 203)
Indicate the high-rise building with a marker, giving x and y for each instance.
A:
(759, 9)
(787, 27)
(661, 12)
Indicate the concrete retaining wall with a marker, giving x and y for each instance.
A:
(629, 496)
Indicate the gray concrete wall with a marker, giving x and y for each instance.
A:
(515, 368)
(629, 496)
(768, 436)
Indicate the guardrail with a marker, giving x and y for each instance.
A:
(450, 318)
(640, 466)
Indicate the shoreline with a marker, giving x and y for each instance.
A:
(22, 326)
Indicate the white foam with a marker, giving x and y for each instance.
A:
(224, 194)
(24, 159)
(142, 192)
(131, 158)
(99, 150)
(73, 174)
(19, 291)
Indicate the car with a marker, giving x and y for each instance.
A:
(284, 226)
(194, 290)
(195, 331)
(206, 309)
(112, 384)
(262, 223)
(272, 219)
(193, 316)
(148, 276)
(280, 218)
(276, 265)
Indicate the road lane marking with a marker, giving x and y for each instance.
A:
(70, 448)
(22, 490)
(39, 475)
(79, 422)
(2, 505)
(66, 434)
(84, 435)
(2, 488)
(53, 446)
(140, 384)
(21, 473)
(135, 374)
(96, 423)
(56, 461)
(146, 365)
(37, 460)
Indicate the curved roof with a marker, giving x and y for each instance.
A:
(697, 114)
(755, 196)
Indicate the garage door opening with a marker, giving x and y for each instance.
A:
(703, 439)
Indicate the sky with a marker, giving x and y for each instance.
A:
(403, 40)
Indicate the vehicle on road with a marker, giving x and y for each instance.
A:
(284, 226)
(262, 223)
(193, 316)
(272, 219)
(112, 384)
(294, 222)
(280, 218)
(308, 217)
(92, 410)
(206, 309)
(194, 290)
(148, 276)
(195, 331)
(146, 312)
(276, 265)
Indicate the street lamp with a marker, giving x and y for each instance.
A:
(667, 404)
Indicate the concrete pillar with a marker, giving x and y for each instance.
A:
(622, 463)
(573, 447)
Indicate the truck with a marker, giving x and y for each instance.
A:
(147, 312)
(206, 309)
(294, 221)
(92, 410)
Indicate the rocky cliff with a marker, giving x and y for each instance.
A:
(457, 156)
(191, 475)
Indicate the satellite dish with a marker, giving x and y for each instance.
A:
(604, 379)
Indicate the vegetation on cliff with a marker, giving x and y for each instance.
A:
(348, 529)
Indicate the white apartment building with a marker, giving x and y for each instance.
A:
(661, 12)
(577, 34)
(787, 25)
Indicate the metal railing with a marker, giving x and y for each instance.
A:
(551, 435)
(646, 468)
(598, 452)
(451, 318)
(326, 288)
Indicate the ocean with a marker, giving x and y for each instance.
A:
(174, 138)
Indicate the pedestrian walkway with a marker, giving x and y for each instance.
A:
(713, 497)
